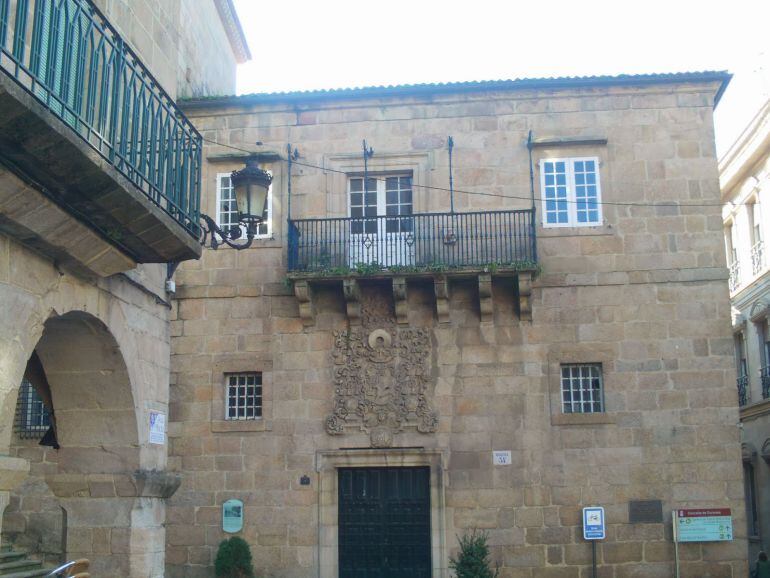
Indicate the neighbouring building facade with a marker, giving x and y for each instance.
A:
(99, 191)
(391, 364)
(745, 180)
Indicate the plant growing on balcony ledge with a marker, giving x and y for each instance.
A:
(374, 268)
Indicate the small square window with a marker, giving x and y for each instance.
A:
(582, 390)
(243, 396)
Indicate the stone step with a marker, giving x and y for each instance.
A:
(29, 573)
(10, 555)
(18, 566)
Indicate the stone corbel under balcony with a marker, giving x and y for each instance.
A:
(304, 290)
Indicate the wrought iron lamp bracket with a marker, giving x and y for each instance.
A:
(216, 236)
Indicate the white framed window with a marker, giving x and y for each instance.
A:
(227, 209)
(243, 396)
(381, 225)
(582, 389)
(571, 192)
(385, 196)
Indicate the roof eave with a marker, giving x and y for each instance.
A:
(723, 77)
(234, 30)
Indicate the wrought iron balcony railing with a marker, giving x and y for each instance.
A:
(735, 275)
(427, 241)
(764, 376)
(66, 55)
(757, 257)
(743, 390)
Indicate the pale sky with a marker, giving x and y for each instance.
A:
(312, 44)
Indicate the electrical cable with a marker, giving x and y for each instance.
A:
(482, 193)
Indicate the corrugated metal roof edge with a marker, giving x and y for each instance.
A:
(722, 76)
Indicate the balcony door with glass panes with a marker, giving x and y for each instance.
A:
(381, 227)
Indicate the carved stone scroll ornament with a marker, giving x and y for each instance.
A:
(381, 382)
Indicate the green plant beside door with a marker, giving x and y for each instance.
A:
(233, 559)
(473, 558)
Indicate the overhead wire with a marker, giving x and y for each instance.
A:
(483, 193)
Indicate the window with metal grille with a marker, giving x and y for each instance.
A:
(32, 417)
(227, 208)
(581, 388)
(244, 396)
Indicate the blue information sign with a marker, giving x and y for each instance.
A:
(593, 523)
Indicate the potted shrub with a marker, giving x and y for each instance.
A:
(233, 559)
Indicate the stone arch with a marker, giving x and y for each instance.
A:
(92, 396)
(106, 475)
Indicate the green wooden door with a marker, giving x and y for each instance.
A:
(384, 523)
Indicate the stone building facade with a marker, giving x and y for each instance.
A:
(400, 345)
(84, 243)
(745, 180)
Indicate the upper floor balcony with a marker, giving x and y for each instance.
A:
(439, 246)
(400, 244)
(110, 166)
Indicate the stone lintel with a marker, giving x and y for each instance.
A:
(304, 293)
(400, 300)
(352, 292)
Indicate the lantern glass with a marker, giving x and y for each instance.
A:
(251, 198)
(251, 186)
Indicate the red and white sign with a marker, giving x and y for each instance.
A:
(703, 525)
(704, 513)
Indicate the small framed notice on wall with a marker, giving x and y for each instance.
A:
(501, 457)
(232, 516)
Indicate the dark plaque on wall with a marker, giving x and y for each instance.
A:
(645, 512)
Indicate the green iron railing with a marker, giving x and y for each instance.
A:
(66, 54)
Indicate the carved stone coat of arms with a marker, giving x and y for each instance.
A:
(382, 382)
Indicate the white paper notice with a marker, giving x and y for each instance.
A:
(157, 428)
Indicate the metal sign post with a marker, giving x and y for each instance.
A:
(701, 525)
(676, 543)
(594, 529)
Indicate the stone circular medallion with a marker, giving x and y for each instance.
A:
(379, 338)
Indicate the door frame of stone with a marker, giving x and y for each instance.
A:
(327, 464)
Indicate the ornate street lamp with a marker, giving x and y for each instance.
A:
(251, 186)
